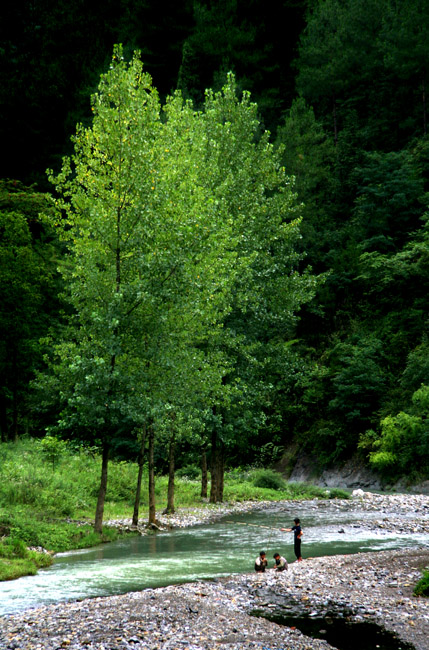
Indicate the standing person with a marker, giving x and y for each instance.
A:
(297, 530)
(261, 562)
(280, 562)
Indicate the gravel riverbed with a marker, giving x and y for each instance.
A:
(204, 615)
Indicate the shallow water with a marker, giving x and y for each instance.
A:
(342, 634)
(206, 551)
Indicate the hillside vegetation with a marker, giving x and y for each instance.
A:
(229, 254)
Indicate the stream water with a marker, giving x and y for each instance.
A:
(202, 552)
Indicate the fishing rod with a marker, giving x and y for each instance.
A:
(244, 523)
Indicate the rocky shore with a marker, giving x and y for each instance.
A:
(367, 587)
(395, 512)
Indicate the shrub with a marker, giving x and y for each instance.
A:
(403, 445)
(13, 548)
(16, 569)
(189, 471)
(307, 491)
(52, 449)
(337, 493)
(122, 481)
(239, 474)
(268, 478)
(422, 587)
(41, 560)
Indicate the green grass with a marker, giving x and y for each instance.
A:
(45, 490)
(16, 560)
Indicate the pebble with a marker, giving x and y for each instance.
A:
(217, 614)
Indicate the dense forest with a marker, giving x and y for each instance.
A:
(229, 254)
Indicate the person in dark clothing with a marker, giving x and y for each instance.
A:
(297, 530)
(261, 562)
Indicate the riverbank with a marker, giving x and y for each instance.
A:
(48, 502)
(392, 512)
(216, 614)
(205, 615)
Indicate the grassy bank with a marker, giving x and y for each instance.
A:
(44, 486)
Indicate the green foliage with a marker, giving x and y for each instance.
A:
(30, 527)
(403, 445)
(122, 477)
(416, 371)
(192, 206)
(266, 478)
(184, 277)
(308, 154)
(16, 560)
(52, 449)
(358, 380)
(13, 568)
(422, 587)
(337, 493)
(57, 491)
(13, 547)
(335, 78)
(191, 472)
(256, 44)
(365, 219)
(388, 203)
(308, 491)
(29, 303)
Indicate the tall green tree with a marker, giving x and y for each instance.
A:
(147, 252)
(269, 292)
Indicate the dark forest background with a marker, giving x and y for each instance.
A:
(342, 85)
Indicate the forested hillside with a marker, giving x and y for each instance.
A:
(213, 276)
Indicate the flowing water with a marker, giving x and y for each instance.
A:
(202, 552)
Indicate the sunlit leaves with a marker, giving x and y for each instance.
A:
(181, 229)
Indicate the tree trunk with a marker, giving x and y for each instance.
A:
(170, 491)
(213, 469)
(220, 472)
(152, 509)
(139, 478)
(424, 106)
(203, 474)
(98, 524)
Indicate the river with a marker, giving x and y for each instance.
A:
(202, 552)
